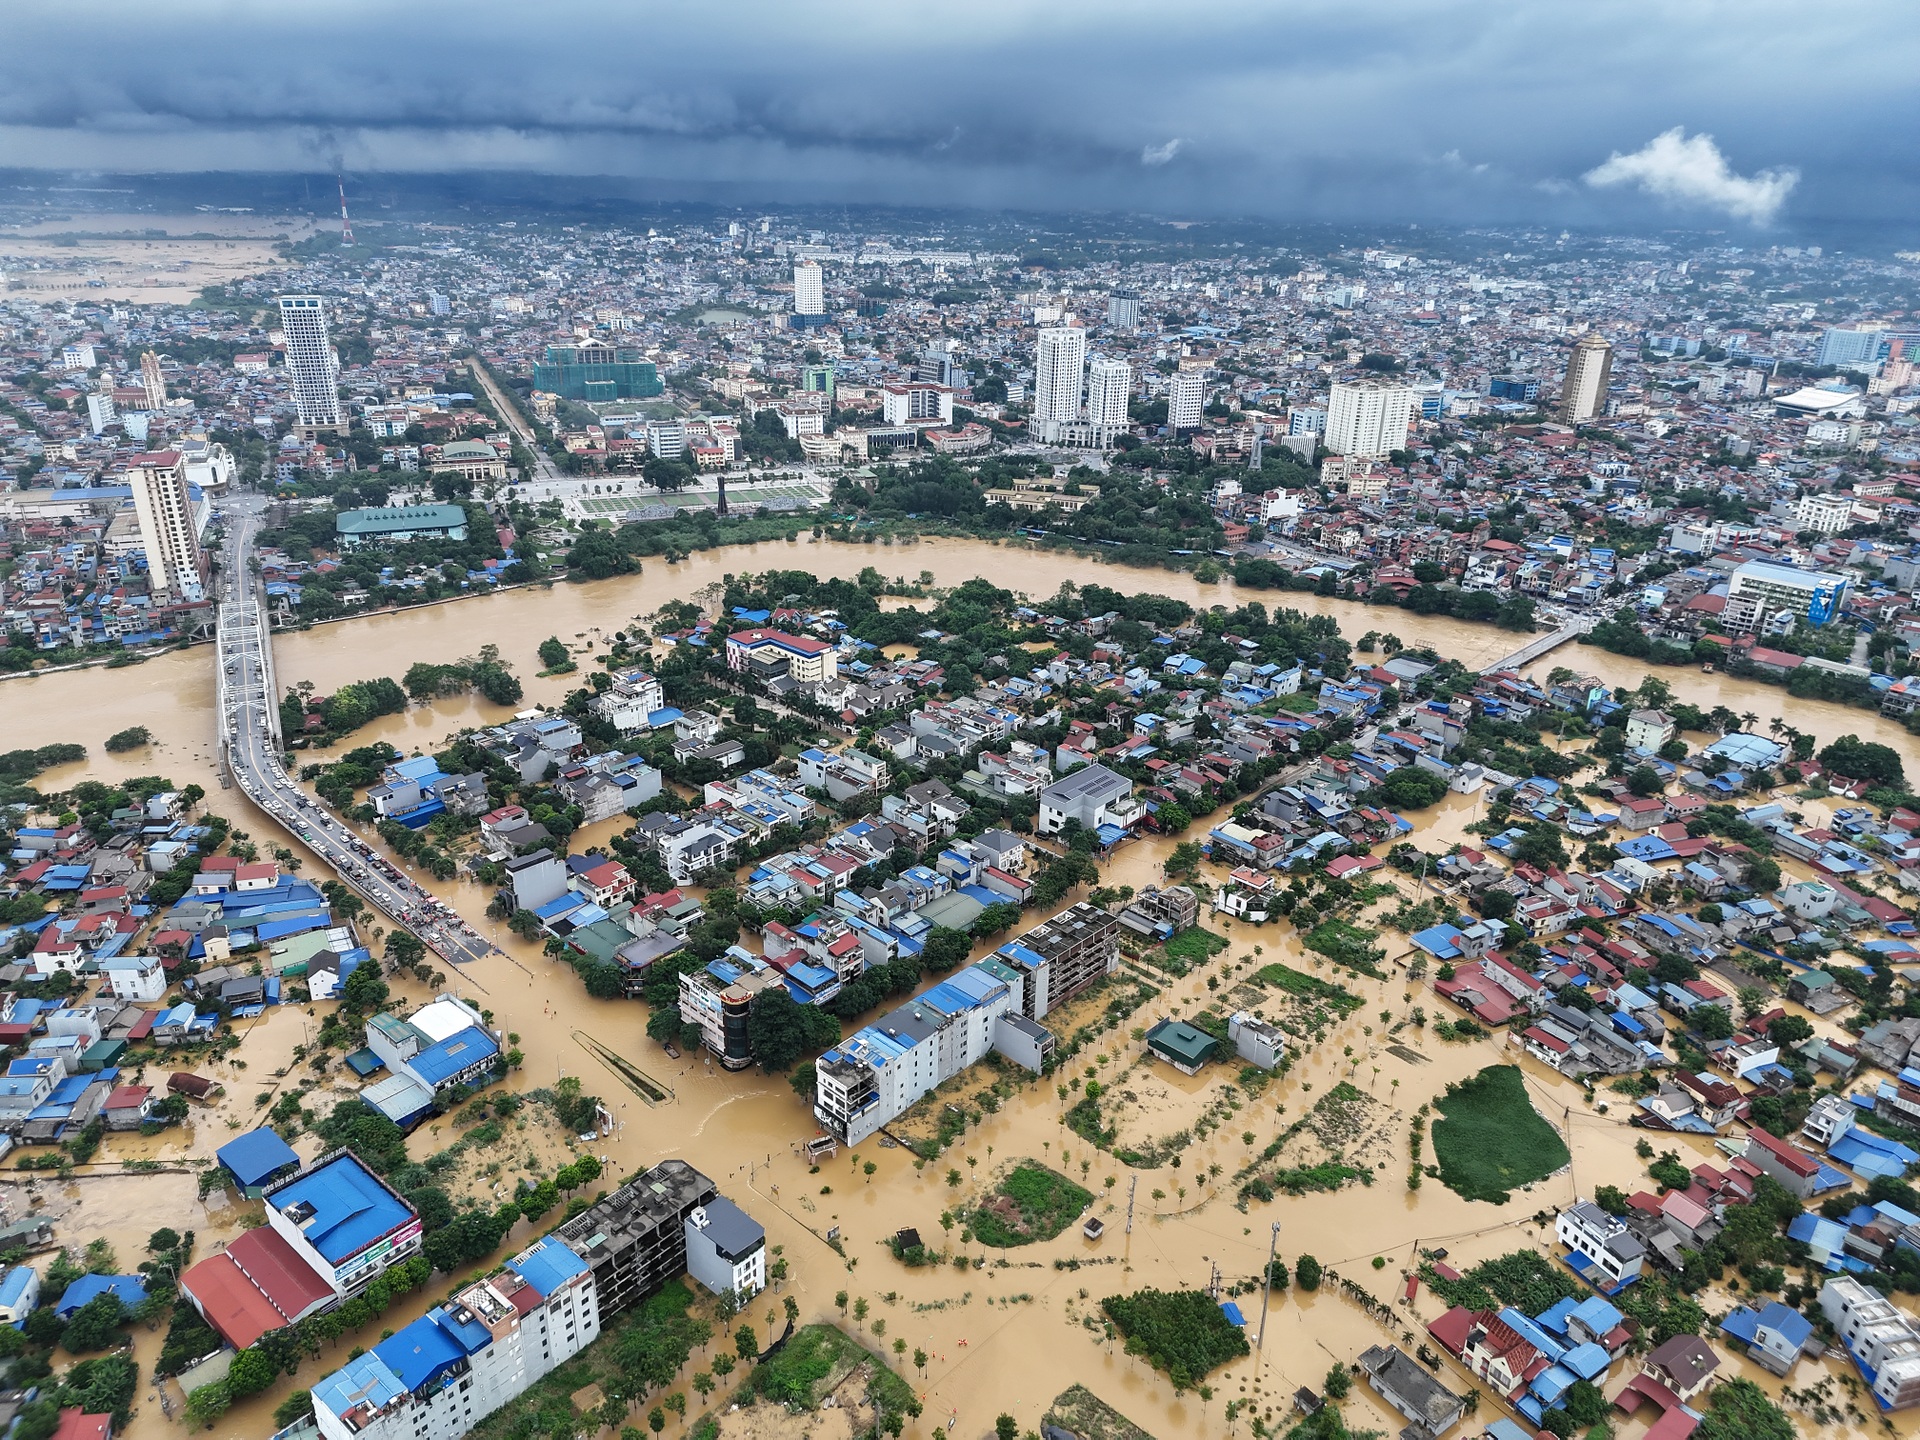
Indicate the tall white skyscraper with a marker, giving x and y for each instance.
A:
(1368, 417)
(310, 364)
(176, 565)
(1109, 388)
(1186, 400)
(1123, 312)
(153, 382)
(1059, 368)
(809, 289)
(1585, 393)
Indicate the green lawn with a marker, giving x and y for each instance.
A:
(1489, 1140)
(1032, 1203)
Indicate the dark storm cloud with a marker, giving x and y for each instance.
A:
(1385, 109)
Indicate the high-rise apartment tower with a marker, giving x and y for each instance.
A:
(311, 366)
(176, 565)
(1585, 393)
(1368, 417)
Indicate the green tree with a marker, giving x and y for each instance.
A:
(745, 1344)
(945, 949)
(1858, 759)
(1306, 1272)
(780, 1030)
(251, 1372)
(553, 653)
(1005, 1427)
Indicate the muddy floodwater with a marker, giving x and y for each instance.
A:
(1003, 1336)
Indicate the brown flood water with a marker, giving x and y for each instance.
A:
(1001, 1338)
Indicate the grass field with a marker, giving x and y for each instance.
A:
(1032, 1203)
(1490, 1140)
(1084, 1413)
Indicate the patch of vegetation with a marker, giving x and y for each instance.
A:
(1194, 947)
(1031, 1203)
(1347, 944)
(812, 1366)
(1489, 1140)
(131, 738)
(1084, 1413)
(1309, 987)
(1182, 1332)
(1525, 1279)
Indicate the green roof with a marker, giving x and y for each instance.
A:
(468, 450)
(1180, 1041)
(392, 519)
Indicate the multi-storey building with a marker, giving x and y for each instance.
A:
(635, 1240)
(809, 289)
(871, 1077)
(447, 1371)
(1186, 400)
(1882, 1339)
(1584, 394)
(1368, 417)
(312, 369)
(1059, 372)
(1760, 589)
(1059, 958)
(916, 404)
(169, 526)
(1109, 388)
(344, 1221)
(772, 653)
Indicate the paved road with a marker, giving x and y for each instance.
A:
(249, 720)
(509, 411)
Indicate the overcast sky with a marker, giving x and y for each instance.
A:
(1752, 114)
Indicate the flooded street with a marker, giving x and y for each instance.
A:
(1008, 1335)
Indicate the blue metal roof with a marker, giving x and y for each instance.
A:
(351, 1208)
(421, 1351)
(255, 1156)
(547, 1266)
(459, 1051)
(88, 1287)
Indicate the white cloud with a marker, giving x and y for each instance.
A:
(1160, 154)
(1693, 171)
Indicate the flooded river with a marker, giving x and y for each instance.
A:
(1000, 1338)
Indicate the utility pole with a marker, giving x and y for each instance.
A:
(1132, 1185)
(1266, 1282)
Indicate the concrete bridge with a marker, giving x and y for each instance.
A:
(1539, 645)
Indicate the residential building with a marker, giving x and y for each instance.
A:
(726, 1249)
(1882, 1339)
(1368, 417)
(1261, 1045)
(313, 370)
(1093, 795)
(169, 525)
(153, 384)
(635, 1239)
(441, 1375)
(1060, 957)
(1123, 312)
(629, 704)
(1060, 359)
(1109, 389)
(1186, 400)
(872, 1076)
(1601, 1243)
(1648, 730)
(809, 289)
(1405, 1384)
(1584, 393)
(1823, 511)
